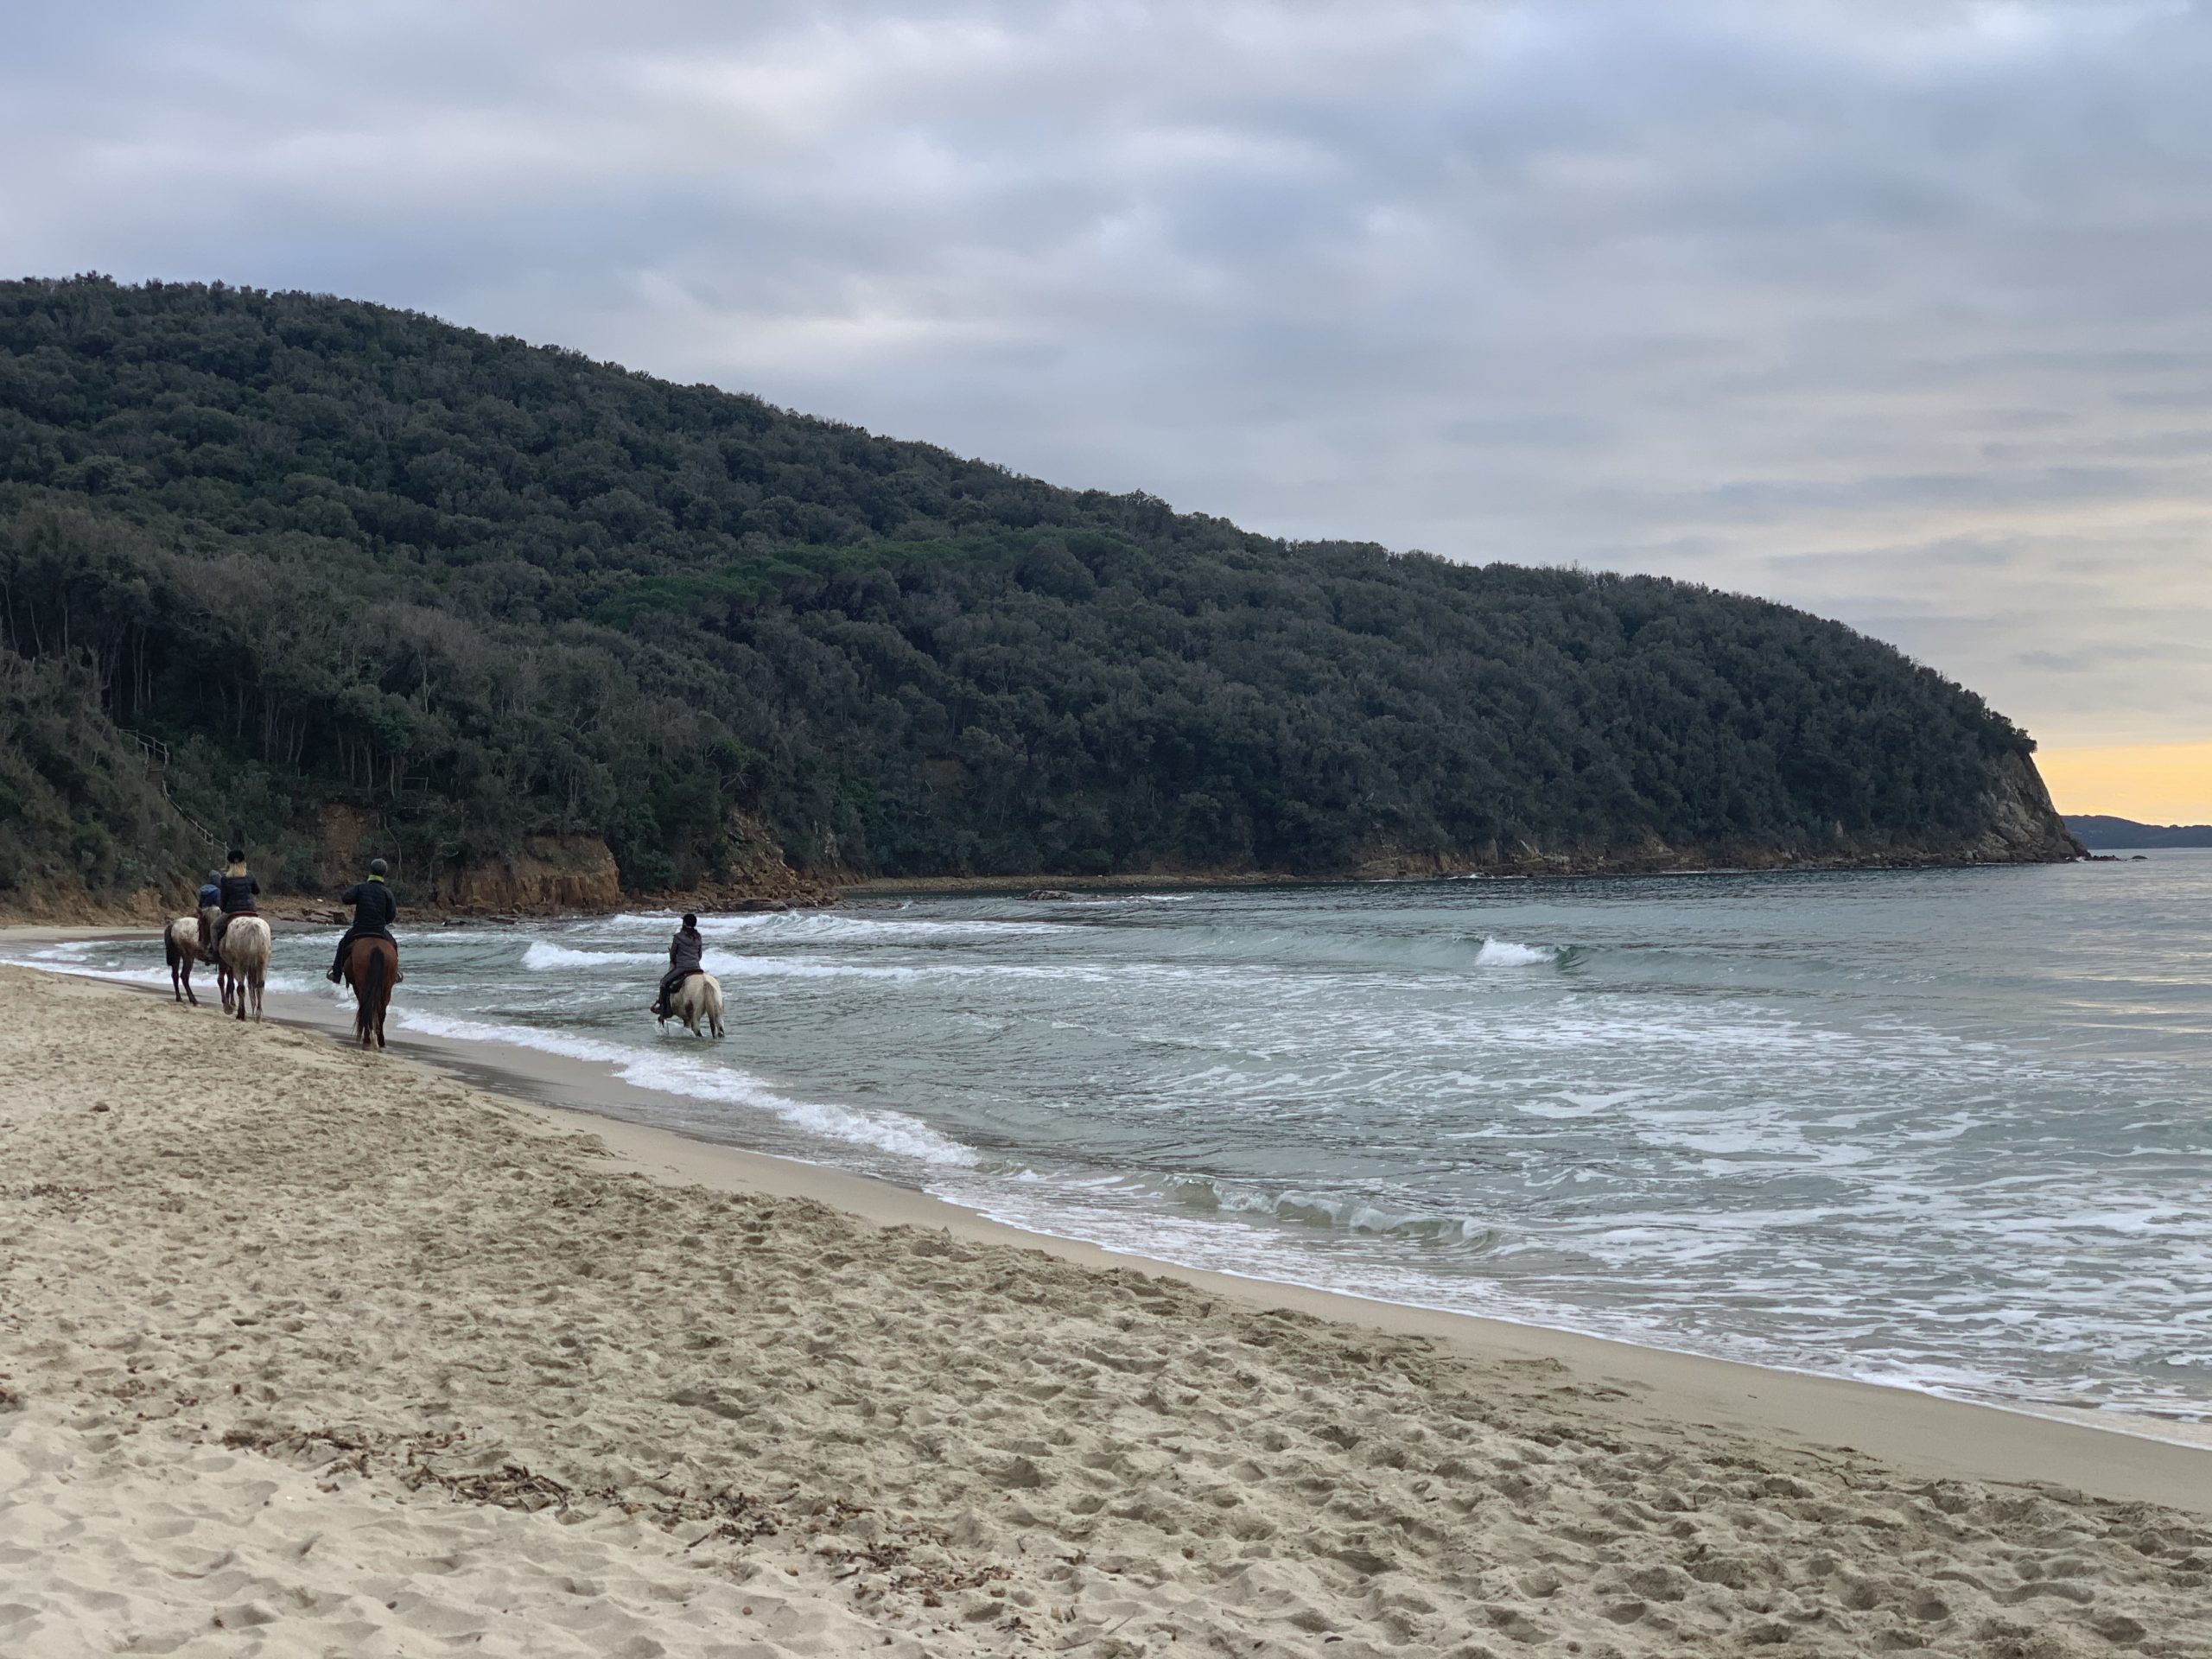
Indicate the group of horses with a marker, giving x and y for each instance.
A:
(371, 967)
(241, 965)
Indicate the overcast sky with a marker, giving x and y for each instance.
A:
(1902, 312)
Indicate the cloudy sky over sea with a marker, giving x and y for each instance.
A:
(1901, 312)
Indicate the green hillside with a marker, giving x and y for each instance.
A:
(331, 554)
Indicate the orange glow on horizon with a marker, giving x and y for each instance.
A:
(2151, 783)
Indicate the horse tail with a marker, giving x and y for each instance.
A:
(372, 996)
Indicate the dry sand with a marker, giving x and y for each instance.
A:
(303, 1351)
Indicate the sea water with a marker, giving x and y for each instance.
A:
(1949, 1129)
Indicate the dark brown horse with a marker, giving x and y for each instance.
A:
(371, 967)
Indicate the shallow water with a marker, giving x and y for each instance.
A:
(1951, 1129)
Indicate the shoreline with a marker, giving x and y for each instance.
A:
(308, 1351)
(1564, 868)
(2119, 1455)
(127, 916)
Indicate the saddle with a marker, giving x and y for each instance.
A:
(384, 935)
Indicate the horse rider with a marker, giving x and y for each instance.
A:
(211, 898)
(234, 891)
(374, 909)
(686, 952)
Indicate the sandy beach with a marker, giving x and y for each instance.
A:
(306, 1351)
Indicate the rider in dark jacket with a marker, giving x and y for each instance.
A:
(374, 909)
(235, 889)
(686, 954)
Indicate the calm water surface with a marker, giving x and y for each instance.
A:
(1951, 1129)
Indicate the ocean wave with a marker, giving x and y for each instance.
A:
(692, 1079)
(1510, 953)
(828, 925)
(1210, 1195)
(74, 960)
(543, 958)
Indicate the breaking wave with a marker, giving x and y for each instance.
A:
(884, 1131)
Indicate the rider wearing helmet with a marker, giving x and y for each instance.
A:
(234, 891)
(373, 910)
(686, 954)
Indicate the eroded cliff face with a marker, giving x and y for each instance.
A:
(2025, 827)
(556, 874)
(757, 877)
(550, 873)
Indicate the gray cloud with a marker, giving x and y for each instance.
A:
(1897, 311)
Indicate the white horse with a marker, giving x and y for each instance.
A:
(182, 941)
(245, 954)
(698, 998)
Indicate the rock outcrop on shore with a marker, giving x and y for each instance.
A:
(2015, 822)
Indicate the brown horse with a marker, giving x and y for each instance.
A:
(181, 941)
(371, 969)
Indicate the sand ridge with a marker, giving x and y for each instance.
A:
(414, 1310)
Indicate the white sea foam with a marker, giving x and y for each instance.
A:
(1510, 953)
(543, 957)
(75, 960)
(693, 1079)
(1350, 1213)
(832, 926)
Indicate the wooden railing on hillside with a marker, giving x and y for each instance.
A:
(155, 755)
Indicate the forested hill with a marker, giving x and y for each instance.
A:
(317, 570)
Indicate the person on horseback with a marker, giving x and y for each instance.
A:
(211, 898)
(374, 910)
(686, 954)
(234, 891)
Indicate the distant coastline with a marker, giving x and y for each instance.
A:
(2101, 832)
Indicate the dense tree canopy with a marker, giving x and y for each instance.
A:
(327, 552)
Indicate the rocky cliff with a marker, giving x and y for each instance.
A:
(2017, 824)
